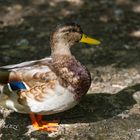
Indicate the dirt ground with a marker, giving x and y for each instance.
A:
(111, 110)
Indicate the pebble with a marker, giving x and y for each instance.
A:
(22, 42)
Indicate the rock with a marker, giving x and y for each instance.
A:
(136, 96)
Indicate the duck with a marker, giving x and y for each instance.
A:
(50, 85)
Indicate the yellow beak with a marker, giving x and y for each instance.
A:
(89, 40)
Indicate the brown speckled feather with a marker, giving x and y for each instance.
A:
(73, 74)
(37, 76)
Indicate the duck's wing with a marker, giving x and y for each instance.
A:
(25, 71)
(20, 82)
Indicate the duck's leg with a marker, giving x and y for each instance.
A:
(39, 124)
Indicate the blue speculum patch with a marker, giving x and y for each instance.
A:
(17, 85)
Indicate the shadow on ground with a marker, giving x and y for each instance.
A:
(93, 108)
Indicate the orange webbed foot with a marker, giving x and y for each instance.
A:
(39, 124)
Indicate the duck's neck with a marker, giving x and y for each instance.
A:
(60, 48)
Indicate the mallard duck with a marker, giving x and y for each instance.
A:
(50, 85)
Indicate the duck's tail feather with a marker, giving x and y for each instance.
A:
(4, 77)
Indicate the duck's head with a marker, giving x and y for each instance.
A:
(66, 36)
